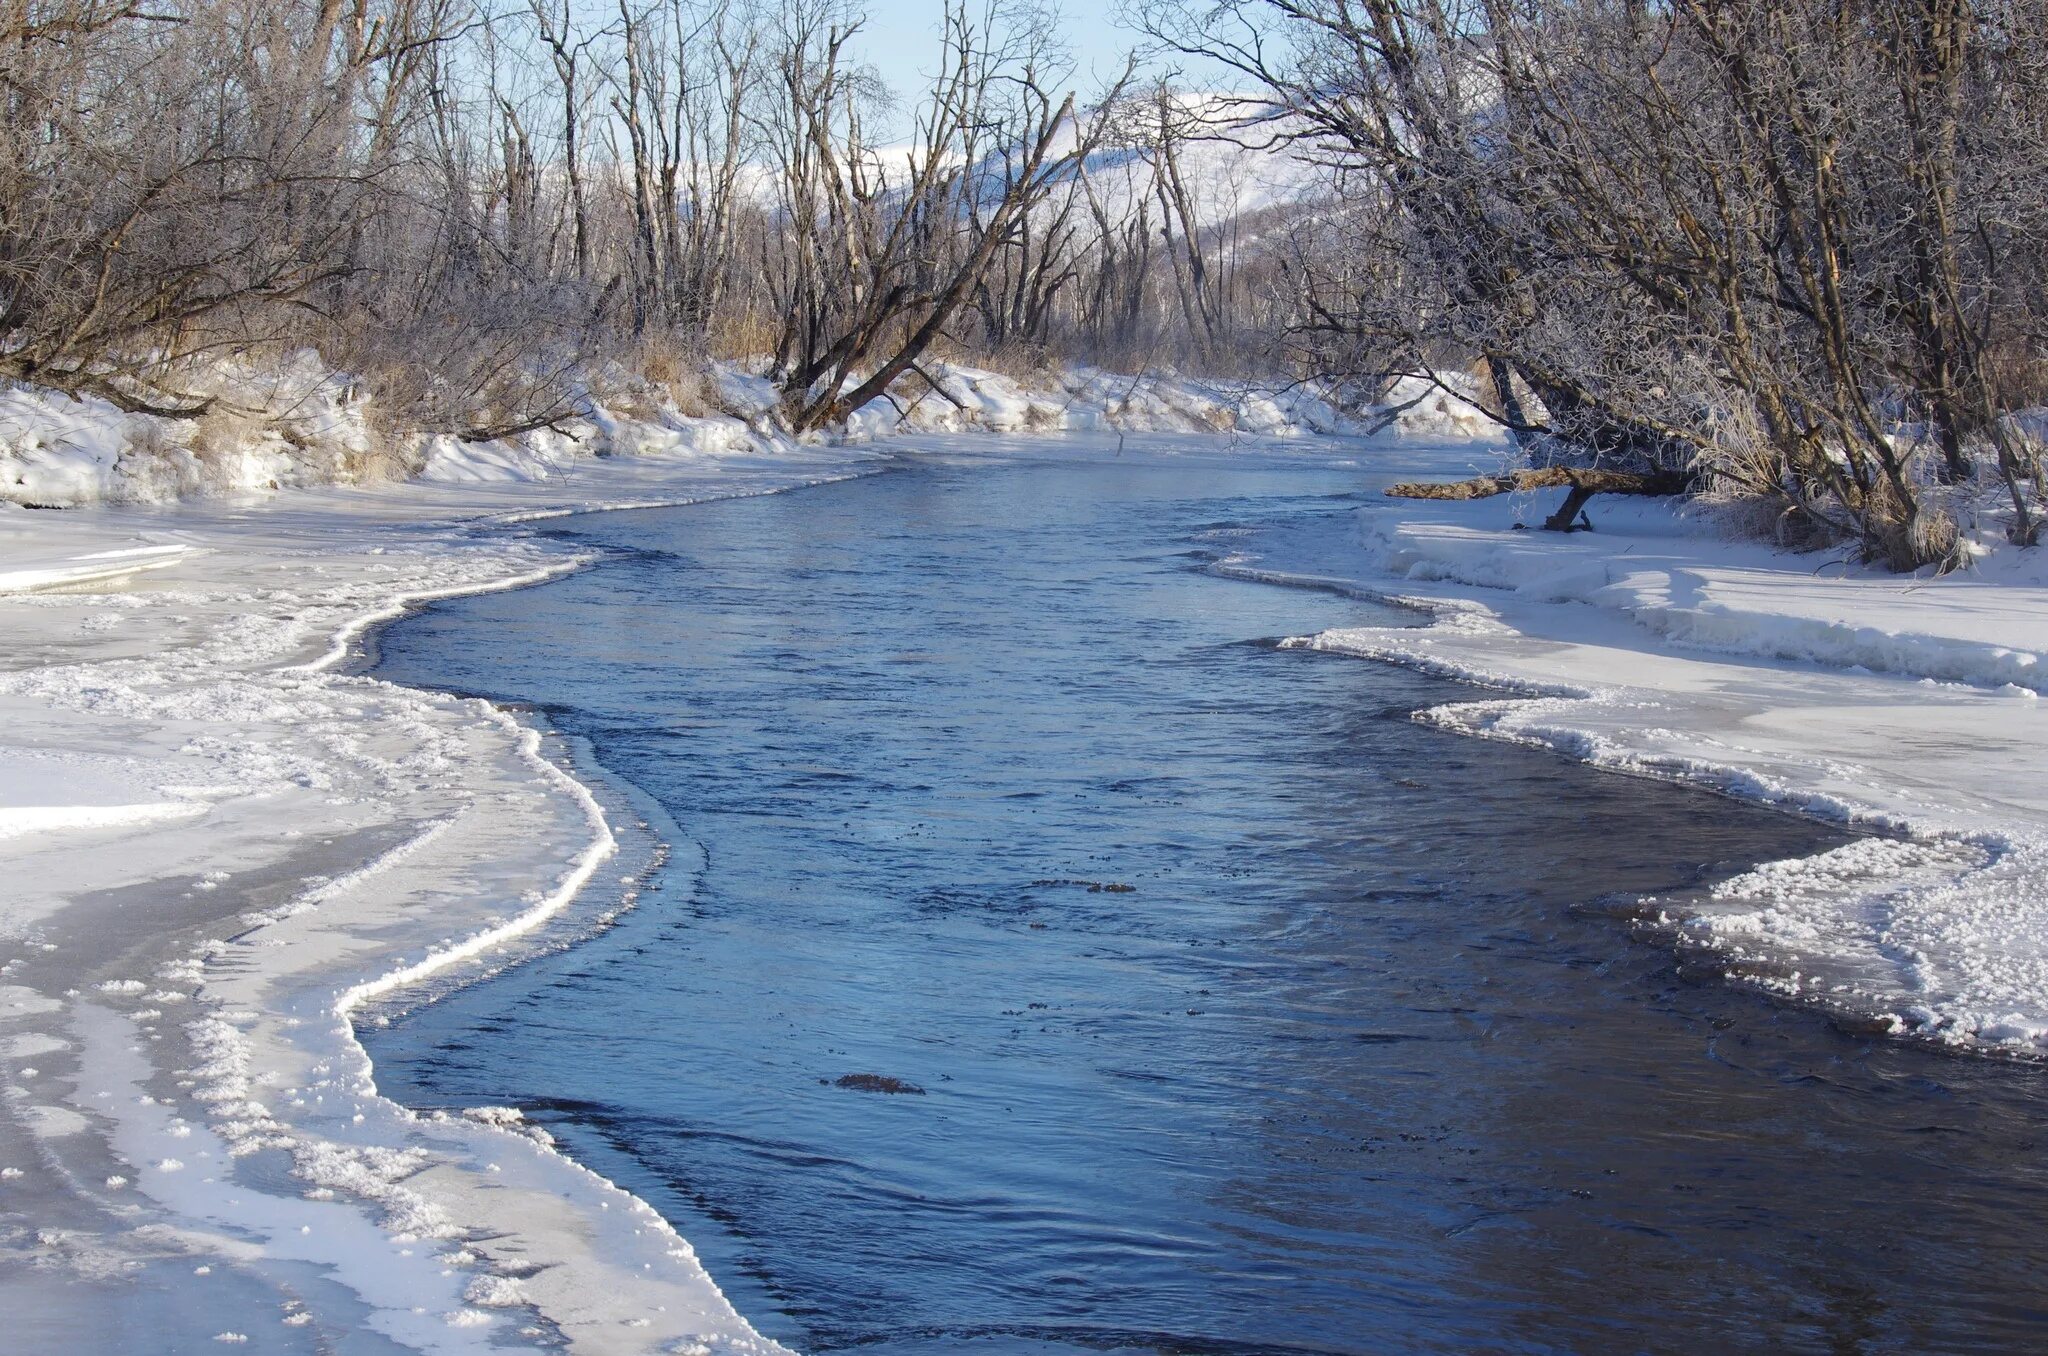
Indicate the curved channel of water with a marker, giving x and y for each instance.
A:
(1243, 1013)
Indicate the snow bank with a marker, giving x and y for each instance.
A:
(302, 426)
(217, 846)
(553, 452)
(1657, 644)
(1674, 570)
(294, 424)
(1091, 401)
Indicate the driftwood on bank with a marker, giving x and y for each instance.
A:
(1584, 484)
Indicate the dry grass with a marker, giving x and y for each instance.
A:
(742, 337)
(673, 371)
(1026, 364)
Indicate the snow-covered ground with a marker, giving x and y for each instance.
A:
(216, 847)
(296, 425)
(1657, 644)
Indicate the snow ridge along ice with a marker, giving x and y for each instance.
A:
(1660, 645)
(226, 847)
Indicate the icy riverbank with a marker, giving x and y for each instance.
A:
(1656, 644)
(298, 425)
(220, 846)
(217, 847)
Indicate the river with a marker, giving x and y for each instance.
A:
(1046, 962)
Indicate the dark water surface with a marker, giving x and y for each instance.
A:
(1346, 1068)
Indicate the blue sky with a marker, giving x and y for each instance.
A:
(902, 39)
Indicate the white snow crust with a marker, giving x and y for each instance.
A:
(218, 846)
(1660, 644)
(308, 427)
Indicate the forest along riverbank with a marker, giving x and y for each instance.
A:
(1225, 1007)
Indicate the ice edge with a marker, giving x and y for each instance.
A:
(1484, 718)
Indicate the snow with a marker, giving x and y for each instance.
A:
(1232, 160)
(218, 844)
(44, 792)
(1088, 400)
(289, 423)
(68, 568)
(307, 427)
(1677, 575)
(1660, 645)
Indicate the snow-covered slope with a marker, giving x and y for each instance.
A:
(289, 425)
(303, 427)
(1088, 400)
(1231, 156)
(297, 425)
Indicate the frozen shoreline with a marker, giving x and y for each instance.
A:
(222, 846)
(192, 1143)
(191, 1130)
(1657, 646)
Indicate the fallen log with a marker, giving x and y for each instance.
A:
(1583, 484)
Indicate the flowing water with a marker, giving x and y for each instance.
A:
(1231, 1010)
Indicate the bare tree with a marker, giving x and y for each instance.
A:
(1729, 235)
(888, 248)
